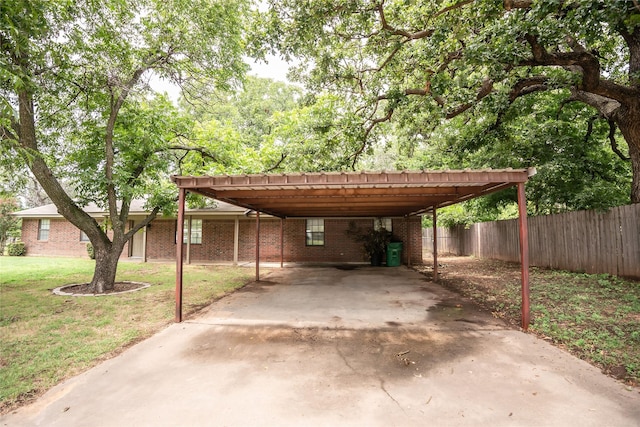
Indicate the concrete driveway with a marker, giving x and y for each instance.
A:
(330, 346)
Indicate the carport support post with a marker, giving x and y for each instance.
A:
(435, 245)
(179, 263)
(408, 239)
(281, 242)
(524, 255)
(257, 246)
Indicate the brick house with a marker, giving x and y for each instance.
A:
(226, 233)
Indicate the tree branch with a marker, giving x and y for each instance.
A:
(612, 141)
(605, 105)
(485, 89)
(398, 32)
(367, 131)
(416, 35)
(152, 215)
(589, 65)
(517, 4)
(8, 134)
(200, 150)
(387, 59)
(590, 127)
(277, 165)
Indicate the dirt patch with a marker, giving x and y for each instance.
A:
(385, 353)
(257, 287)
(594, 317)
(347, 267)
(87, 289)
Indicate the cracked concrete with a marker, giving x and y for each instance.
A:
(319, 347)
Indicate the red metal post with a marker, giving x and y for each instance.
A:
(524, 256)
(409, 236)
(281, 242)
(179, 248)
(257, 246)
(435, 245)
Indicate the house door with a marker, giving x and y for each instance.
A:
(137, 244)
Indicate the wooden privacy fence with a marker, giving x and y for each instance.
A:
(583, 241)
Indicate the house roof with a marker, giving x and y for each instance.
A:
(352, 194)
(137, 209)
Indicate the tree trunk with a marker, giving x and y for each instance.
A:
(634, 153)
(628, 120)
(104, 274)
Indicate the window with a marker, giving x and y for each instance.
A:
(43, 229)
(315, 232)
(83, 237)
(385, 223)
(196, 231)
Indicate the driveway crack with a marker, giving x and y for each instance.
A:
(346, 362)
(383, 388)
(380, 380)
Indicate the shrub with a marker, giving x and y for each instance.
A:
(90, 251)
(16, 249)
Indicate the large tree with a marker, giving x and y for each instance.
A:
(427, 62)
(75, 100)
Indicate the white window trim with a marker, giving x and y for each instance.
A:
(41, 229)
(310, 231)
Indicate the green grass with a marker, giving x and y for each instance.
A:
(595, 317)
(47, 338)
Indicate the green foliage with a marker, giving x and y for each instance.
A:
(374, 241)
(456, 216)
(87, 117)
(271, 126)
(145, 133)
(442, 85)
(235, 129)
(90, 251)
(16, 249)
(9, 225)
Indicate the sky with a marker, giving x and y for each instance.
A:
(275, 69)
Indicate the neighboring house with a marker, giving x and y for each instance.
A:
(225, 233)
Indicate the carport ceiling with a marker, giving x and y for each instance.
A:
(352, 194)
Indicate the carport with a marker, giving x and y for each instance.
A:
(355, 194)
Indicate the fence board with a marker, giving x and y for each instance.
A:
(589, 241)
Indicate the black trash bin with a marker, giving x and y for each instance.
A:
(394, 254)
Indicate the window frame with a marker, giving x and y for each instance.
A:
(196, 233)
(379, 223)
(84, 237)
(314, 232)
(43, 233)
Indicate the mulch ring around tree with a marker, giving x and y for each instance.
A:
(86, 289)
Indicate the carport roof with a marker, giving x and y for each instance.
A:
(352, 194)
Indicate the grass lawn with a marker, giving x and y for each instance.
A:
(593, 316)
(47, 338)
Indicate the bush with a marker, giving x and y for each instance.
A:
(16, 249)
(90, 251)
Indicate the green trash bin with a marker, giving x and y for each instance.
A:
(394, 254)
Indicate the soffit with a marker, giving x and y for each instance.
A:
(352, 194)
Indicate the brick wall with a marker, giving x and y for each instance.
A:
(64, 239)
(161, 239)
(217, 240)
(410, 232)
(338, 246)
